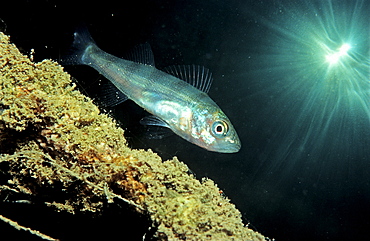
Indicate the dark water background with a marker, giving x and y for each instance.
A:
(297, 176)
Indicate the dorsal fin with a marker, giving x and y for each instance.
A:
(196, 75)
(141, 53)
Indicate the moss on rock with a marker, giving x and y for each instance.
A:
(54, 138)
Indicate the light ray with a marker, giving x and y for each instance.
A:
(315, 60)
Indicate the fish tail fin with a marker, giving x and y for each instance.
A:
(81, 43)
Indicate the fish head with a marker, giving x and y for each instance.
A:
(212, 130)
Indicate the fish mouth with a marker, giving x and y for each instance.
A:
(230, 148)
(233, 149)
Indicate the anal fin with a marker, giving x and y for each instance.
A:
(110, 95)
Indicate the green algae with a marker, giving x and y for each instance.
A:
(52, 137)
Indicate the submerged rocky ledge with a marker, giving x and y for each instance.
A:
(56, 145)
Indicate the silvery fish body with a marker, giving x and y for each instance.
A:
(176, 104)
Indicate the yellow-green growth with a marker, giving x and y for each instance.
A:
(52, 136)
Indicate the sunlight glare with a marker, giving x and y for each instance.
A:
(333, 58)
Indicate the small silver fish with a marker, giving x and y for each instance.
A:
(181, 105)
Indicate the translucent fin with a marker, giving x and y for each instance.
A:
(157, 132)
(82, 40)
(156, 127)
(153, 120)
(196, 75)
(142, 54)
(109, 94)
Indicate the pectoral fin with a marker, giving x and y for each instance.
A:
(157, 128)
(153, 120)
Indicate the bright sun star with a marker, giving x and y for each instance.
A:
(315, 61)
(334, 57)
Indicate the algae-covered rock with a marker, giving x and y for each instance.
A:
(54, 138)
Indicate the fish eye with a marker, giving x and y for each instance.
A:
(219, 128)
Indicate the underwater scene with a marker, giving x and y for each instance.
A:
(262, 109)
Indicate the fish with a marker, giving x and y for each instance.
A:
(176, 98)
